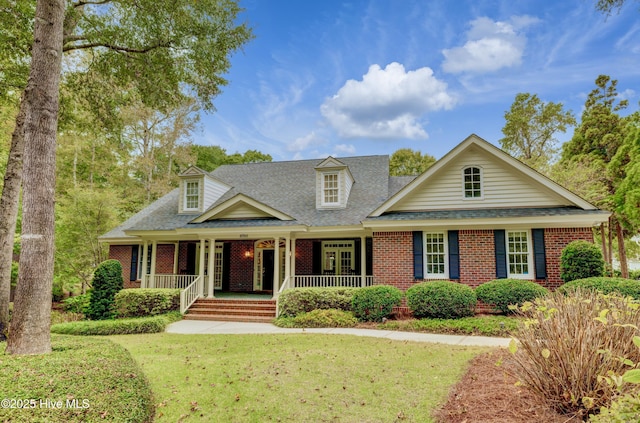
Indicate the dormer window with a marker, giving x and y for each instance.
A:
(192, 195)
(472, 182)
(331, 194)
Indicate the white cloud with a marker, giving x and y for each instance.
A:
(386, 103)
(309, 140)
(344, 149)
(490, 46)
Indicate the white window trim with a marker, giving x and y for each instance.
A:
(445, 237)
(184, 197)
(464, 197)
(339, 195)
(526, 276)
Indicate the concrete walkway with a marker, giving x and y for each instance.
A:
(218, 328)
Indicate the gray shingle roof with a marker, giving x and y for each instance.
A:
(486, 213)
(289, 187)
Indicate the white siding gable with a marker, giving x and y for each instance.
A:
(502, 186)
(209, 190)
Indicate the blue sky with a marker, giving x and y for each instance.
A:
(344, 78)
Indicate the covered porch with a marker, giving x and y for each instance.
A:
(209, 268)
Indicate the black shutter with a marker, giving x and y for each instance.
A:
(418, 260)
(316, 258)
(357, 249)
(454, 255)
(133, 274)
(369, 253)
(501, 253)
(539, 254)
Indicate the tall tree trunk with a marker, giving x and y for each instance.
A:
(32, 307)
(603, 241)
(622, 251)
(9, 214)
(610, 250)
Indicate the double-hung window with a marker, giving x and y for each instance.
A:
(330, 188)
(435, 255)
(519, 257)
(472, 182)
(191, 195)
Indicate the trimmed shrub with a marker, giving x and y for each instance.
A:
(151, 324)
(329, 318)
(624, 287)
(77, 304)
(107, 281)
(572, 345)
(501, 293)
(137, 302)
(441, 299)
(373, 303)
(581, 259)
(303, 300)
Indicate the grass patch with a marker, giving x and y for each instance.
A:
(295, 378)
(152, 324)
(102, 378)
(479, 325)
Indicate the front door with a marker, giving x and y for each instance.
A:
(267, 270)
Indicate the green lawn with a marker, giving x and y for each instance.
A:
(295, 378)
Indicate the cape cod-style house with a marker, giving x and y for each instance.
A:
(476, 215)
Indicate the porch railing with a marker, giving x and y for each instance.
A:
(325, 281)
(169, 281)
(190, 294)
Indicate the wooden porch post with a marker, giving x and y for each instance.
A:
(276, 267)
(211, 266)
(154, 252)
(363, 261)
(293, 264)
(201, 270)
(145, 257)
(176, 256)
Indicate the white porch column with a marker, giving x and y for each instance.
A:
(154, 253)
(293, 263)
(287, 259)
(145, 257)
(176, 256)
(363, 261)
(276, 267)
(201, 270)
(211, 266)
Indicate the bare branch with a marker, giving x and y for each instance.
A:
(117, 48)
(82, 3)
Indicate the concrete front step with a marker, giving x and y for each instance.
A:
(232, 310)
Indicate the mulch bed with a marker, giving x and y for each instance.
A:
(488, 394)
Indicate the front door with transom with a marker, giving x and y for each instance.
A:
(264, 264)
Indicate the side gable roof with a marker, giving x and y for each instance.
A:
(530, 178)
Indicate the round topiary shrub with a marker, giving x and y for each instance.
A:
(501, 293)
(373, 303)
(581, 259)
(604, 285)
(441, 299)
(107, 281)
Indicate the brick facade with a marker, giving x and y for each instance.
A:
(122, 253)
(304, 257)
(393, 256)
(241, 267)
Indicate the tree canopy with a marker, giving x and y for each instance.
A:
(406, 162)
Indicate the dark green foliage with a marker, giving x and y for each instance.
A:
(151, 324)
(107, 281)
(77, 304)
(303, 300)
(97, 370)
(138, 302)
(57, 293)
(373, 303)
(604, 285)
(501, 293)
(581, 259)
(328, 318)
(441, 299)
(478, 325)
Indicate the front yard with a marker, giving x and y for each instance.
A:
(295, 378)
